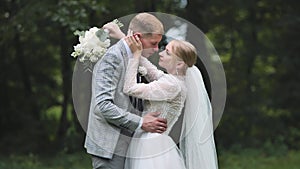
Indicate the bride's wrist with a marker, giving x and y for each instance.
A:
(121, 35)
(137, 55)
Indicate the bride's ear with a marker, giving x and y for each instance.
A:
(180, 65)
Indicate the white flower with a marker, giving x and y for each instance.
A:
(82, 59)
(93, 44)
(90, 48)
(93, 58)
(142, 70)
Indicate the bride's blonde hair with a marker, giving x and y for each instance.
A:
(185, 51)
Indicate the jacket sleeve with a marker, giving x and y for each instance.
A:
(106, 76)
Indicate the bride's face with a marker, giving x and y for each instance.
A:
(167, 59)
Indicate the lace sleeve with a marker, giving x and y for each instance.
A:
(152, 72)
(164, 88)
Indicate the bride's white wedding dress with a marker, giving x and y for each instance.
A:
(165, 94)
(168, 94)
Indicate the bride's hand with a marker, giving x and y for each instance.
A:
(135, 45)
(114, 30)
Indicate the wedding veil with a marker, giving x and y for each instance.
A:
(197, 140)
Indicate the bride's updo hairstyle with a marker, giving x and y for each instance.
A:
(185, 51)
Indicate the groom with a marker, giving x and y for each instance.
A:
(112, 118)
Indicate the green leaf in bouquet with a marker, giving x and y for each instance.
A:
(102, 35)
(116, 21)
(79, 33)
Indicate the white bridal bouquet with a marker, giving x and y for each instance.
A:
(92, 45)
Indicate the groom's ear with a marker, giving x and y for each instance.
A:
(138, 34)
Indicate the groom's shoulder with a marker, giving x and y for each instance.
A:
(116, 49)
(113, 53)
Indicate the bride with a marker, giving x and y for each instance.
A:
(182, 88)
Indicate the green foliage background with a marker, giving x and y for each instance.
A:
(258, 42)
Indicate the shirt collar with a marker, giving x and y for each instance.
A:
(129, 53)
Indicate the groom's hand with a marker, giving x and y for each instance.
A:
(154, 124)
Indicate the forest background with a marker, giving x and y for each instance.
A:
(257, 41)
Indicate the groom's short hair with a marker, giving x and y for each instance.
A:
(146, 23)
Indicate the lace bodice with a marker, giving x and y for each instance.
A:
(165, 93)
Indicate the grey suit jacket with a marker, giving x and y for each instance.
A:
(110, 109)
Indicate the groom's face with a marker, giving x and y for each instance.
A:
(150, 44)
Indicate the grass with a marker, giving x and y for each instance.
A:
(78, 160)
(244, 159)
(250, 159)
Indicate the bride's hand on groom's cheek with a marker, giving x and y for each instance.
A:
(135, 45)
(154, 124)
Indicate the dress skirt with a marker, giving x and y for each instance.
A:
(153, 151)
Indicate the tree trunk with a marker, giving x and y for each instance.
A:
(66, 86)
(195, 10)
(252, 53)
(28, 93)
